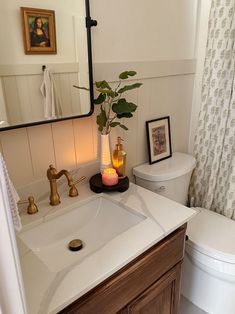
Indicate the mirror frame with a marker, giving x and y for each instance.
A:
(89, 22)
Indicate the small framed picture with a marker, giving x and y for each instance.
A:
(38, 31)
(159, 139)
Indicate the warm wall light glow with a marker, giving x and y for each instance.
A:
(109, 177)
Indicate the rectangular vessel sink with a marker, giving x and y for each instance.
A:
(96, 223)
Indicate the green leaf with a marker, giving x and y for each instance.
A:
(124, 115)
(101, 119)
(108, 92)
(126, 74)
(123, 127)
(122, 106)
(100, 128)
(102, 84)
(113, 124)
(129, 87)
(100, 99)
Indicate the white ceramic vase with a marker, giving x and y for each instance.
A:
(105, 158)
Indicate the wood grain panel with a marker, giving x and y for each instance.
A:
(75, 94)
(36, 100)
(64, 146)
(131, 136)
(65, 94)
(143, 113)
(36, 69)
(159, 96)
(17, 155)
(145, 69)
(84, 143)
(24, 98)
(42, 150)
(12, 100)
(161, 298)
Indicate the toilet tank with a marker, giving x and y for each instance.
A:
(169, 177)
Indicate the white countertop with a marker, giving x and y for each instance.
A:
(49, 292)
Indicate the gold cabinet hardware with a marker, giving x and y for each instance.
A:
(32, 207)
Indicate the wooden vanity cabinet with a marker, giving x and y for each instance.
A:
(150, 284)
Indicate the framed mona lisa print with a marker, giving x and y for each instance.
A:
(39, 31)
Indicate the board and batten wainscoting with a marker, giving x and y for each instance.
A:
(21, 87)
(167, 90)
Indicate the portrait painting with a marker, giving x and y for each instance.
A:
(39, 32)
(159, 139)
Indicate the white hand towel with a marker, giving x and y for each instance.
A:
(12, 194)
(47, 90)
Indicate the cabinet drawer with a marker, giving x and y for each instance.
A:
(121, 288)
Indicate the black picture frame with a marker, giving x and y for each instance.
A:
(159, 139)
(89, 23)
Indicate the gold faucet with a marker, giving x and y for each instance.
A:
(52, 176)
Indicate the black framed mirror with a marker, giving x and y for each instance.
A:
(45, 62)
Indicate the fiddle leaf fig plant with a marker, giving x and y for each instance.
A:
(113, 106)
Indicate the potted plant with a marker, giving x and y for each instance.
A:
(113, 108)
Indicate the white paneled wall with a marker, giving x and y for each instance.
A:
(24, 101)
(68, 144)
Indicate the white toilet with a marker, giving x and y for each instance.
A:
(208, 279)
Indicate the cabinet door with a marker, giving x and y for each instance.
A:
(161, 298)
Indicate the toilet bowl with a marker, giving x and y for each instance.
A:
(209, 264)
(208, 272)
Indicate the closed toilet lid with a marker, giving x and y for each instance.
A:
(177, 165)
(212, 234)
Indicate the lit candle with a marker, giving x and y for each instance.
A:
(109, 177)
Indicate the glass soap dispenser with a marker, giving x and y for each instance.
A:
(119, 159)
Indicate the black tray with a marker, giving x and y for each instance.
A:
(97, 186)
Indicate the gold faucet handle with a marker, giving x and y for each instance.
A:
(73, 190)
(32, 207)
(79, 180)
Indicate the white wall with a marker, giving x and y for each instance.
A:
(156, 37)
(137, 30)
(12, 51)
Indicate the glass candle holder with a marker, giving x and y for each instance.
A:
(109, 177)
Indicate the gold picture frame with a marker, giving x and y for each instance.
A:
(39, 31)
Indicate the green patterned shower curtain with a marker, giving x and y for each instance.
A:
(213, 181)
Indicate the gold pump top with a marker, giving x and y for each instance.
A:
(119, 143)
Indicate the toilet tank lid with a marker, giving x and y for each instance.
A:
(177, 165)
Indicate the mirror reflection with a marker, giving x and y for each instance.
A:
(44, 55)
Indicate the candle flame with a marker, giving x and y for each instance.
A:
(109, 171)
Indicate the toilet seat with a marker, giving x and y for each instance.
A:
(211, 244)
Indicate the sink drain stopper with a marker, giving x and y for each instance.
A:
(75, 245)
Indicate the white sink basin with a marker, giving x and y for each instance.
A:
(96, 223)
